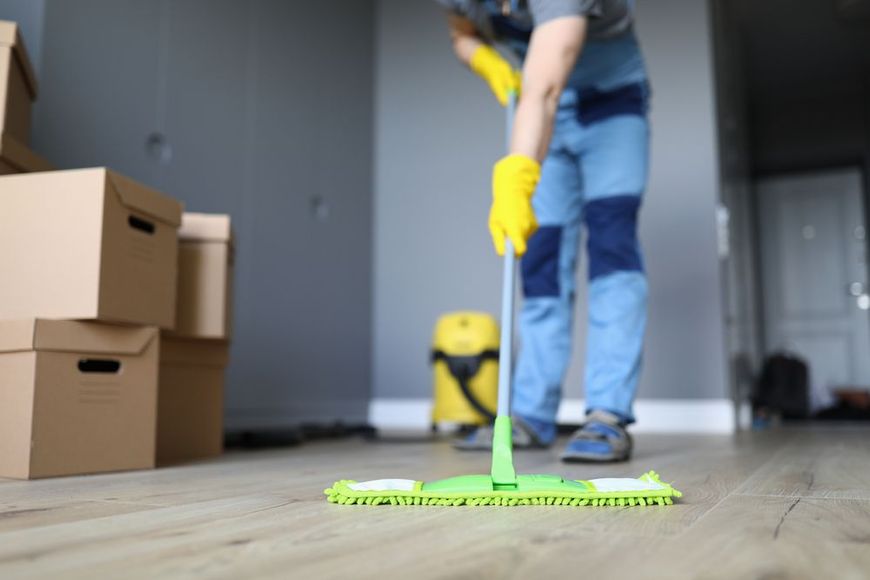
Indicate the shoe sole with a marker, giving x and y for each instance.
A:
(473, 447)
(593, 458)
(459, 447)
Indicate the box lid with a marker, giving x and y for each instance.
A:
(20, 156)
(144, 199)
(198, 352)
(74, 336)
(205, 227)
(11, 37)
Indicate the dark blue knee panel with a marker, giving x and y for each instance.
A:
(540, 264)
(596, 106)
(611, 224)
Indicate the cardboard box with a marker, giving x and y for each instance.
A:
(190, 407)
(87, 244)
(18, 88)
(76, 397)
(16, 158)
(205, 277)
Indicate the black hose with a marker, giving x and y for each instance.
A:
(463, 368)
(472, 400)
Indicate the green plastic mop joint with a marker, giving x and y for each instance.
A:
(503, 474)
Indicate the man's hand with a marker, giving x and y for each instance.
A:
(483, 59)
(502, 78)
(514, 179)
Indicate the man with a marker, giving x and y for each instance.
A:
(578, 156)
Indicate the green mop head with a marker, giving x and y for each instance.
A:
(504, 488)
(479, 490)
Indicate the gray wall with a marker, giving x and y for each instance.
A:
(303, 320)
(437, 134)
(265, 106)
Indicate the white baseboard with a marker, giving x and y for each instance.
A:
(715, 416)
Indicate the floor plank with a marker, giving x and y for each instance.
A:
(777, 537)
(821, 463)
(38, 514)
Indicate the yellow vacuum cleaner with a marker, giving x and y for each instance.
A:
(465, 364)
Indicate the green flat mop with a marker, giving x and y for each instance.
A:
(503, 487)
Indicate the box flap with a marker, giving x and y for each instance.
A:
(21, 157)
(205, 227)
(91, 337)
(74, 336)
(17, 335)
(11, 37)
(197, 352)
(144, 199)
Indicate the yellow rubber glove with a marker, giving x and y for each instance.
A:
(514, 179)
(496, 71)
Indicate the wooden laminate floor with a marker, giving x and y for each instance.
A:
(793, 503)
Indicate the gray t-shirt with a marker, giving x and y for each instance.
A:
(607, 18)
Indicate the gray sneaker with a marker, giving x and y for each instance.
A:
(602, 438)
(524, 435)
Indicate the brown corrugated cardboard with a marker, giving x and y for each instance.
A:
(190, 399)
(76, 397)
(16, 158)
(18, 88)
(87, 244)
(205, 275)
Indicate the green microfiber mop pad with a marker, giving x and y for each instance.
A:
(504, 488)
(479, 490)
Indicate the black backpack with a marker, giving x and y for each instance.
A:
(784, 386)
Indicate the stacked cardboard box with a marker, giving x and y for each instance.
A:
(76, 397)
(90, 264)
(78, 250)
(193, 357)
(87, 244)
(18, 90)
(89, 260)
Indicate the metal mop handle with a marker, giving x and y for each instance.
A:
(505, 353)
(503, 473)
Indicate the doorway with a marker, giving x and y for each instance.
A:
(813, 254)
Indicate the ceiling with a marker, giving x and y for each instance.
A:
(806, 77)
(798, 49)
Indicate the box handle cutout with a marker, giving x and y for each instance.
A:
(99, 366)
(141, 225)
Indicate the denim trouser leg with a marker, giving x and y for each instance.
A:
(614, 161)
(546, 318)
(594, 175)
